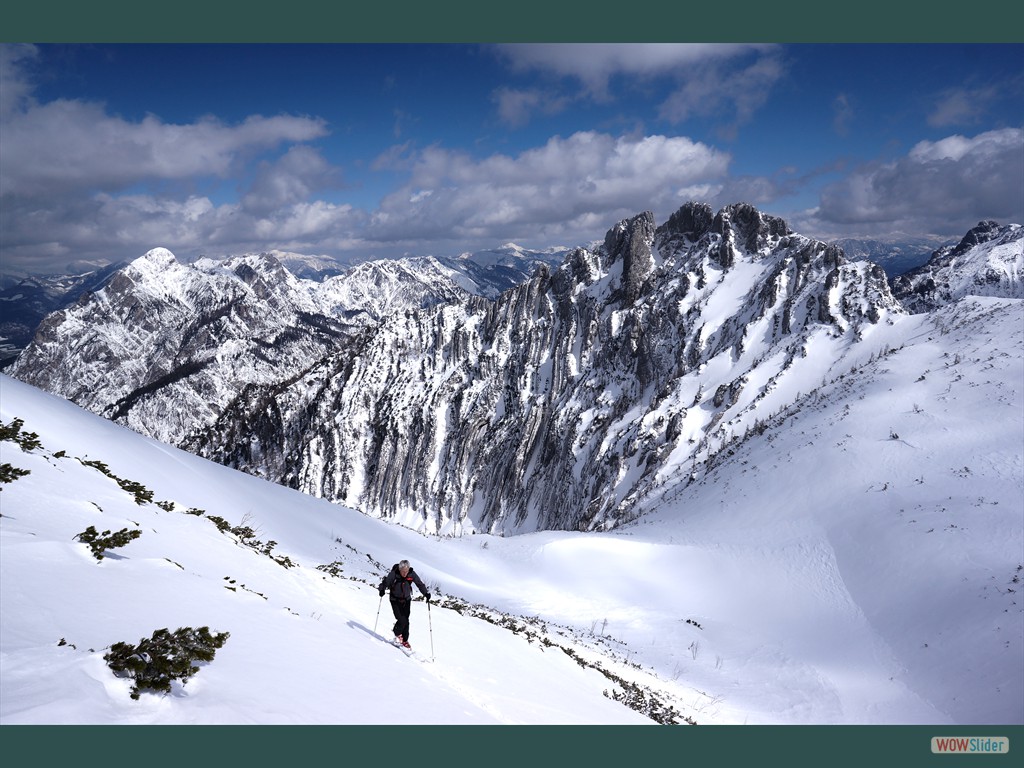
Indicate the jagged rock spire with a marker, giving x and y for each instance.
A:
(556, 404)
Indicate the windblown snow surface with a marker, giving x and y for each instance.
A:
(856, 560)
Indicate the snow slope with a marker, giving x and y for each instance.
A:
(303, 647)
(855, 560)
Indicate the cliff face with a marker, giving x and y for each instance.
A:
(163, 347)
(558, 403)
(988, 261)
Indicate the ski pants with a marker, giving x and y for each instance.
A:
(401, 610)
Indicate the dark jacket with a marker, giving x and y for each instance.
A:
(401, 588)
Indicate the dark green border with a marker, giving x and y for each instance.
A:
(308, 21)
(508, 745)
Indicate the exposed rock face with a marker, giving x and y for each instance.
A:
(164, 346)
(629, 243)
(988, 261)
(556, 404)
(28, 301)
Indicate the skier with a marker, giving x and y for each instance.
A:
(399, 581)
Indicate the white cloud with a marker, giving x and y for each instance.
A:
(842, 114)
(957, 147)
(594, 63)
(14, 86)
(560, 186)
(305, 222)
(64, 146)
(710, 78)
(102, 227)
(712, 88)
(943, 186)
(293, 178)
(67, 165)
(962, 106)
(112, 227)
(516, 106)
(52, 148)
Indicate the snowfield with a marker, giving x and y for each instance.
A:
(857, 560)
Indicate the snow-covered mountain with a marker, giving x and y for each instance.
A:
(307, 267)
(492, 272)
(895, 255)
(566, 402)
(989, 261)
(195, 333)
(855, 559)
(557, 404)
(27, 300)
(199, 333)
(293, 582)
(783, 497)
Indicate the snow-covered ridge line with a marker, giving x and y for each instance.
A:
(557, 403)
(838, 564)
(988, 261)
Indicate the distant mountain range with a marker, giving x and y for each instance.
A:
(508, 391)
(895, 256)
(987, 262)
(26, 300)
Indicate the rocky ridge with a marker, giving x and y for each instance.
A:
(556, 405)
(412, 394)
(988, 261)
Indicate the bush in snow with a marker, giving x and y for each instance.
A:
(247, 537)
(28, 441)
(158, 660)
(99, 543)
(9, 473)
(141, 493)
(641, 699)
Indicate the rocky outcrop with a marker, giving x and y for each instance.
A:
(988, 261)
(557, 403)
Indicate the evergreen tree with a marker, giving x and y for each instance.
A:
(164, 657)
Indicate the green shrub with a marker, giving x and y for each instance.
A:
(222, 524)
(141, 493)
(247, 537)
(28, 441)
(9, 473)
(641, 699)
(157, 661)
(332, 569)
(99, 543)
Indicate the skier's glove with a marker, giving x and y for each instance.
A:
(427, 596)
(381, 591)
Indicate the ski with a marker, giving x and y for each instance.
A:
(406, 649)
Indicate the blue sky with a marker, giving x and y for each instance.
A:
(374, 150)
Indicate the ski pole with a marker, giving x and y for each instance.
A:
(431, 625)
(378, 614)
